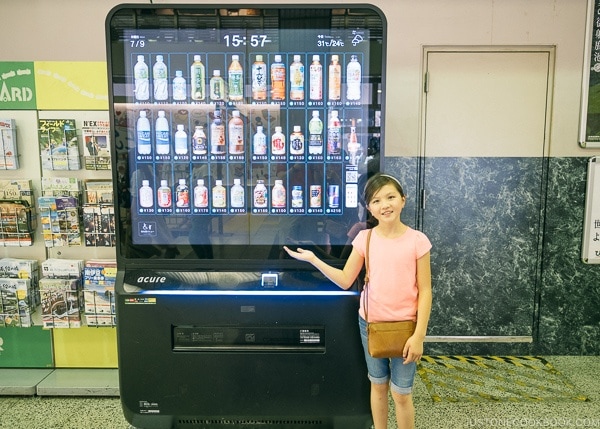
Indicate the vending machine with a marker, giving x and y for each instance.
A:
(237, 130)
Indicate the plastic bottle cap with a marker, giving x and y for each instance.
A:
(277, 129)
(159, 58)
(277, 58)
(259, 58)
(179, 127)
(217, 73)
(178, 73)
(259, 129)
(236, 181)
(196, 57)
(297, 58)
(163, 183)
(236, 113)
(200, 182)
(316, 113)
(296, 128)
(141, 58)
(182, 181)
(235, 57)
(145, 182)
(315, 58)
(219, 182)
(161, 113)
(142, 114)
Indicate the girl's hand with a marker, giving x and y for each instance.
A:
(300, 254)
(413, 350)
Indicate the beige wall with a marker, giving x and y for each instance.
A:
(63, 30)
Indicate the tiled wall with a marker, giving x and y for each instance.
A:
(506, 258)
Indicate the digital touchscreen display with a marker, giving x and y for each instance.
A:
(240, 130)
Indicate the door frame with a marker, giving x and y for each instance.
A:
(551, 51)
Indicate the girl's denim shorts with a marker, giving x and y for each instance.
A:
(384, 370)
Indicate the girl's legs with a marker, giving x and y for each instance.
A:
(379, 405)
(405, 411)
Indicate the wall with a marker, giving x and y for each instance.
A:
(567, 316)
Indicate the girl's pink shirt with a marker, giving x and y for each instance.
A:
(393, 291)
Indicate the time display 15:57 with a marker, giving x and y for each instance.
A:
(256, 40)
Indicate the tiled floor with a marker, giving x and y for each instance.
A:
(86, 412)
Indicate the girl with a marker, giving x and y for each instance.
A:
(399, 289)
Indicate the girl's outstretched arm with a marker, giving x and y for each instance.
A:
(344, 278)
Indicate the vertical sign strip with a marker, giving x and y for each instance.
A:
(589, 132)
(590, 252)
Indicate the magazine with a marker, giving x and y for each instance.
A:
(96, 145)
(59, 145)
(9, 158)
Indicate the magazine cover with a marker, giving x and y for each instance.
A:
(14, 268)
(9, 159)
(17, 190)
(15, 224)
(16, 302)
(96, 144)
(59, 146)
(61, 306)
(99, 277)
(60, 221)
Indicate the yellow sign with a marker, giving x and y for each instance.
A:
(71, 85)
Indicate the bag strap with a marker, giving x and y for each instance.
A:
(366, 288)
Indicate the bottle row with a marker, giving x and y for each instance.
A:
(221, 200)
(228, 139)
(278, 80)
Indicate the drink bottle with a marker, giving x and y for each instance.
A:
(278, 142)
(297, 141)
(237, 194)
(297, 79)
(260, 195)
(315, 134)
(334, 128)
(315, 74)
(197, 79)
(259, 142)
(181, 144)
(144, 146)
(164, 195)
(179, 87)
(235, 79)
(199, 146)
(277, 80)
(353, 79)
(182, 193)
(217, 135)
(141, 81)
(259, 79)
(200, 194)
(160, 75)
(217, 87)
(146, 195)
(335, 79)
(236, 133)
(278, 195)
(219, 194)
(163, 143)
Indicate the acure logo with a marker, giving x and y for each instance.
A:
(151, 279)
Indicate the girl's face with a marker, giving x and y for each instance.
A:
(387, 204)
